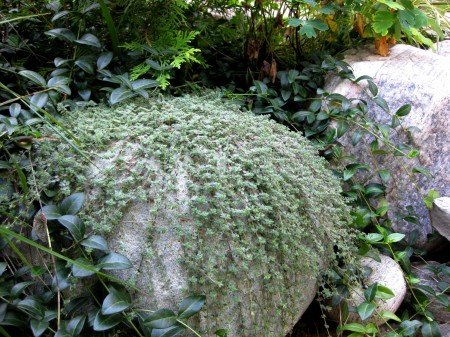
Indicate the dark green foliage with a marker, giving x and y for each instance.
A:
(49, 297)
(59, 56)
(332, 121)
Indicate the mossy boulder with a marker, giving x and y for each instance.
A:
(204, 198)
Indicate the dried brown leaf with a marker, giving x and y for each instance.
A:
(381, 46)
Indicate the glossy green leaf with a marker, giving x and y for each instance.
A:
(347, 174)
(13, 318)
(384, 293)
(38, 327)
(33, 77)
(18, 288)
(72, 204)
(356, 334)
(161, 319)
(114, 261)
(395, 237)
(430, 197)
(75, 325)
(371, 329)
(85, 94)
(430, 329)
(86, 66)
(190, 306)
(89, 40)
(50, 315)
(38, 101)
(51, 212)
(58, 61)
(79, 271)
(60, 83)
(106, 322)
(62, 333)
(409, 328)
(104, 60)
(74, 225)
(387, 315)
(95, 242)
(116, 301)
(373, 190)
(381, 102)
(342, 128)
(120, 94)
(443, 299)
(143, 84)
(3, 310)
(261, 87)
(14, 110)
(60, 15)
(357, 136)
(355, 327)
(372, 88)
(403, 110)
(62, 33)
(374, 237)
(169, 332)
(385, 175)
(3, 266)
(371, 291)
(365, 310)
(221, 333)
(421, 170)
(285, 94)
(32, 307)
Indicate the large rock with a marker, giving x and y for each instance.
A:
(443, 48)
(445, 329)
(420, 78)
(204, 198)
(440, 216)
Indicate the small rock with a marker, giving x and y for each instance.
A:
(428, 277)
(387, 273)
(440, 216)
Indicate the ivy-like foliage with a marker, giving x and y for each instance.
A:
(250, 202)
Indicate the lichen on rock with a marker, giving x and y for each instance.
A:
(205, 198)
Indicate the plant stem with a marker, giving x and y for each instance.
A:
(187, 326)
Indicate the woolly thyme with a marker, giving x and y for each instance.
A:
(260, 208)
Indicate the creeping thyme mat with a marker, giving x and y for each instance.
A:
(252, 205)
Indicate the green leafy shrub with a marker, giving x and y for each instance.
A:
(252, 185)
(333, 123)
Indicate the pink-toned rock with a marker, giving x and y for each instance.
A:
(440, 216)
(422, 79)
(387, 273)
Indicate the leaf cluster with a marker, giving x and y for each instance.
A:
(70, 294)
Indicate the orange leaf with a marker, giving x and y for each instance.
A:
(273, 71)
(359, 24)
(381, 46)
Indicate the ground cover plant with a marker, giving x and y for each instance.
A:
(271, 57)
